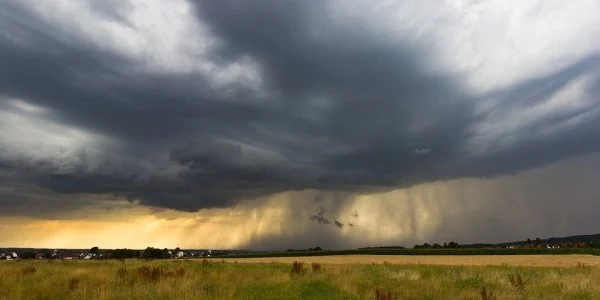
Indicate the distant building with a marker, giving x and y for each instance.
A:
(9, 256)
(70, 255)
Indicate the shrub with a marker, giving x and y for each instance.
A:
(383, 295)
(487, 295)
(28, 270)
(73, 284)
(151, 274)
(121, 272)
(316, 267)
(516, 281)
(297, 268)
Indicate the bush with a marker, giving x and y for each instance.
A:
(383, 295)
(297, 268)
(73, 284)
(516, 281)
(122, 272)
(150, 274)
(316, 267)
(487, 295)
(28, 270)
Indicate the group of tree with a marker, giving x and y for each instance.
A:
(309, 249)
(155, 253)
(123, 253)
(437, 246)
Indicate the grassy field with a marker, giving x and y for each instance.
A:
(335, 279)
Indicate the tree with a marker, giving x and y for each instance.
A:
(94, 250)
(48, 254)
(437, 246)
(124, 253)
(154, 253)
(28, 255)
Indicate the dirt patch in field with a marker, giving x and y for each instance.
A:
(467, 260)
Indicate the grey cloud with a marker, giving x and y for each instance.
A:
(338, 224)
(320, 217)
(379, 111)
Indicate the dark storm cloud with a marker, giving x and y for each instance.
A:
(320, 217)
(382, 121)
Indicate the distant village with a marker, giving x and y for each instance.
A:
(552, 243)
(96, 253)
(565, 244)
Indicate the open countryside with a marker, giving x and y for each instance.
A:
(553, 268)
(449, 260)
(318, 277)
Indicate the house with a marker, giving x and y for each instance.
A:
(9, 256)
(88, 255)
(180, 254)
(39, 255)
(70, 255)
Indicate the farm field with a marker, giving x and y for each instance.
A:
(452, 260)
(334, 277)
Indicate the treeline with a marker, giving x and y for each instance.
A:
(428, 251)
(95, 253)
(451, 245)
(553, 242)
(309, 249)
(148, 253)
(527, 244)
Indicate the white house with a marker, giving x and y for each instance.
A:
(11, 256)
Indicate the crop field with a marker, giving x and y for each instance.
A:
(452, 260)
(332, 277)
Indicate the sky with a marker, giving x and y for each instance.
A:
(271, 124)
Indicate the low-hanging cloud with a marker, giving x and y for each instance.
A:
(238, 100)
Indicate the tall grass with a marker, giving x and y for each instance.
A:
(139, 279)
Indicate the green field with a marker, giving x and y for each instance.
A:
(214, 279)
